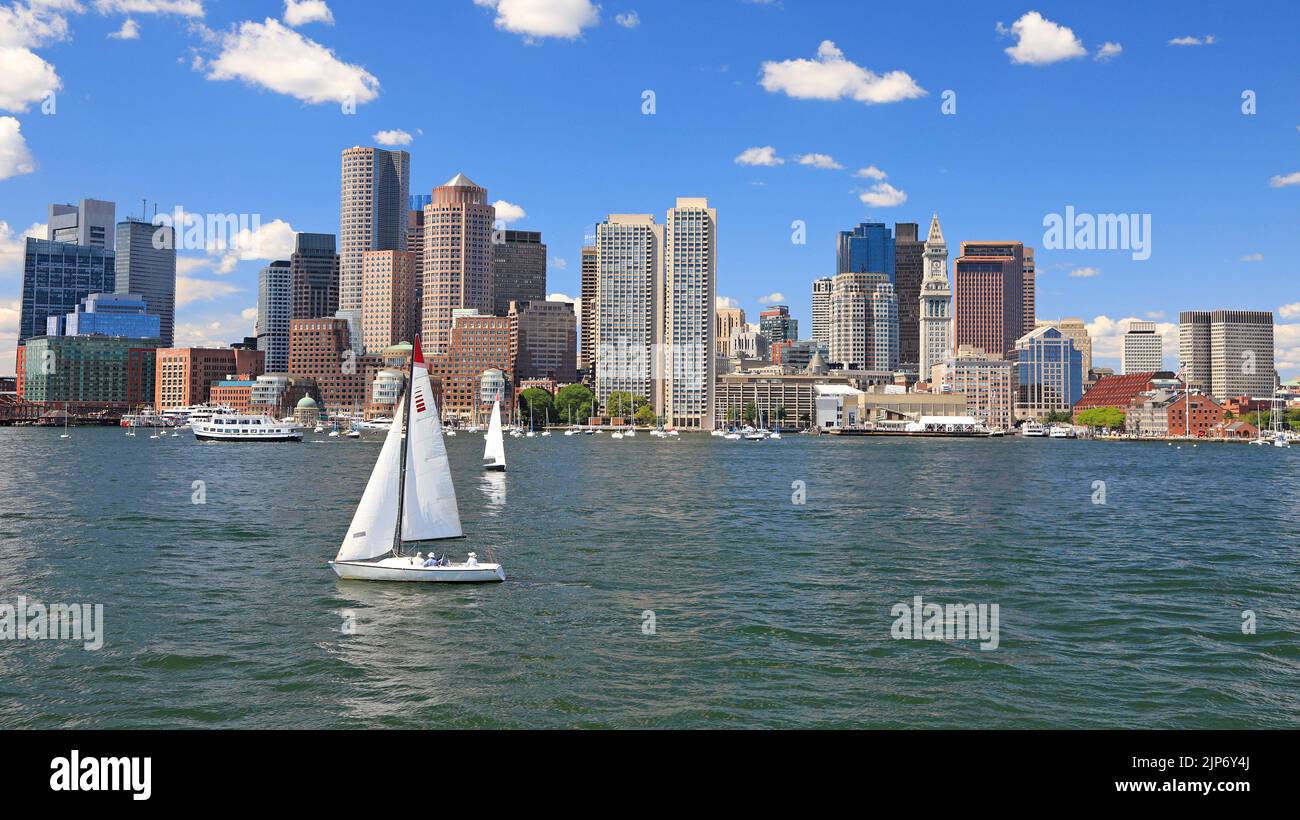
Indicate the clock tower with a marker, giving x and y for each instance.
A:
(936, 302)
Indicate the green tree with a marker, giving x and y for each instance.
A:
(780, 414)
(645, 415)
(575, 401)
(623, 404)
(537, 404)
(750, 412)
(805, 419)
(732, 415)
(1111, 418)
(1058, 417)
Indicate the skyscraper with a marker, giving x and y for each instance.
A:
(909, 270)
(1030, 291)
(629, 274)
(415, 244)
(146, 264)
(375, 195)
(1228, 353)
(1142, 349)
(864, 322)
(1050, 373)
(590, 276)
(388, 287)
(274, 310)
(518, 269)
(458, 258)
(729, 320)
(934, 304)
(314, 268)
(688, 301)
(88, 223)
(989, 296)
(777, 325)
(543, 340)
(821, 310)
(56, 277)
(868, 248)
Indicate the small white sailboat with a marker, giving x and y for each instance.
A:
(65, 433)
(409, 499)
(494, 448)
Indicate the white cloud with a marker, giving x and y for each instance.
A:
(282, 60)
(30, 26)
(1084, 273)
(130, 30)
(870, 172)
(15, 158)
(831, 77)
(824, 161)
(1253, 257)
(270, 240)
(214, 331)
(25, 78)
(12, 246)
(543, 18)
(301, 12)
(560, 297)
(720, 302)
(249, 314)
(1284, 181)
(9, 317)
(395, 137)
(1291, 311)
(774, 298)
(1040, 41)
(559, 263)
(508, 212)
(190, 290)
(883, 195)
(765, 156)
(184, 8)
(628, 20)
(1189, 40)
(1155, 314)
(1108, 51)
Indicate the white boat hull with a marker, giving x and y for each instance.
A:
(408, 568)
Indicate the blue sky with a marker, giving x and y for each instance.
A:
(221, 106)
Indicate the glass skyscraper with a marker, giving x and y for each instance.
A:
(56, 277)
(868, 248)
(148, 267)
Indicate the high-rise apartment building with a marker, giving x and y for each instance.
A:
(729, 320)
(821, 310)
(518, 269)
(375, 198)
(146, 264)
(543, 341)
(989, 296)
(314, 268)
(88, 223)
(57, 276)
(629, 278)
(415, 244)
(777, 325)
(688, 301)
(1142, 349)
(274, 311)
(868, 248)
(388, 288)
(934, 303)
(1228, 353)
(590, 278)
(864, 322)
(909, 272)
(479, 342)
(458, 258)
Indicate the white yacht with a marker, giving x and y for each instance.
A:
(1061, 431)
(1032, 429)
(239, 427)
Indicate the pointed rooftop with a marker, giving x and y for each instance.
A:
(936, 233)
(816, 365)
(460, 181)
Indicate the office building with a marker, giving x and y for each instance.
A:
(57, 276)
(987, 381)
(106, 314)
(1049, 375)
(1142, 349)
(728, 321)
(518, 269)
(478, 342)
(146, 265)
(274, 311)
(864, 322)
(589, 301)
(935, 303)
(543, 341)
(388, 290)
(458, 258)
(989, 296)
(374, 199)
(1228, 353)
(1076, 331)
(909, 272)
(314, 270)
(89, 223)
(185, 375)
(89, 373)
(868, 248)
(688, 300)
(321, 349)
(777, 325)
(821, 310)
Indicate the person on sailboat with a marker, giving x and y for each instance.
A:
(472, 560)
(431, 561)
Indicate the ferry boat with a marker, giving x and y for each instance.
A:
(147, 418)
(1062, 431)
(1032, 429)
(239, 427)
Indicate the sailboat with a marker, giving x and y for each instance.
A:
(409, 499)
(65, 433)
(494, 450)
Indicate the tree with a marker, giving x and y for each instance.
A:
(1111, 418)
(780, 414)
(645, 415)
(537, 404)
(1058, 417)
(750, 412)
(805, 419)
(575, 401)
(623, 404)
(732, 415)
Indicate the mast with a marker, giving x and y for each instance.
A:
(401, 471)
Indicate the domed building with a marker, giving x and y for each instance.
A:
(307, 413)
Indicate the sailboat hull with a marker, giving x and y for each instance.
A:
(495, 468)
(408, 569)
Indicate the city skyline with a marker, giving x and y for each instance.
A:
(1102, 145)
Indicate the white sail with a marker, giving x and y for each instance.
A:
(371, 532)
(429, 508)
(494, 451)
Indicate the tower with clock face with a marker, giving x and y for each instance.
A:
(936, 302)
